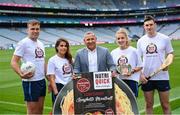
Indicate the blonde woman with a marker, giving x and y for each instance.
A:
(126, 55)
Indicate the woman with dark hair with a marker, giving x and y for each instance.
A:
(59, 69)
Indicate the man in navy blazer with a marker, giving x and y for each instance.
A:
(93, 58)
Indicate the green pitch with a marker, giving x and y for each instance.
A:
(11, 94)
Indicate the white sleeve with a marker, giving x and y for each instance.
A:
(20, 49)
(50, 67)
(139, 51)
(169, 48)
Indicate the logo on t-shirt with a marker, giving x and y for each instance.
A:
(66, 69)
(39, 53)
(122, 60)
(151, 48)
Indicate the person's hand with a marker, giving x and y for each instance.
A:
(49, 88)
(27, 75)
(55, 92)
(114, 74)
(127, 74)
(143, 79)
(75, 76)
(165, 69)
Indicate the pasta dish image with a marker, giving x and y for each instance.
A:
(125, 102)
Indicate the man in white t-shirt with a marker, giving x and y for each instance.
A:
(30, 49)
(154, 47)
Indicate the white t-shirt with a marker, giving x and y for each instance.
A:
(61, 68)
(154, 51)
(127, 56)
(34, 52)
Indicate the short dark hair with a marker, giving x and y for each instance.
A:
(148, 17)
(89, 33)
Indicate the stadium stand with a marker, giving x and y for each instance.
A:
(6, 43)
(96, 4)
(70, 19)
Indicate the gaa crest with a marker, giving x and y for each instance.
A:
(151, 48)
(66, 69)
(123, 67)
(122, 60)
(39, 52)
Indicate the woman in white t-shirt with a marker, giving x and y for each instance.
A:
(59, 69)
(126, 57)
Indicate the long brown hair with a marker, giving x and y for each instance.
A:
(68, 55)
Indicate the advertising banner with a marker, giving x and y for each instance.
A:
(94, 94)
